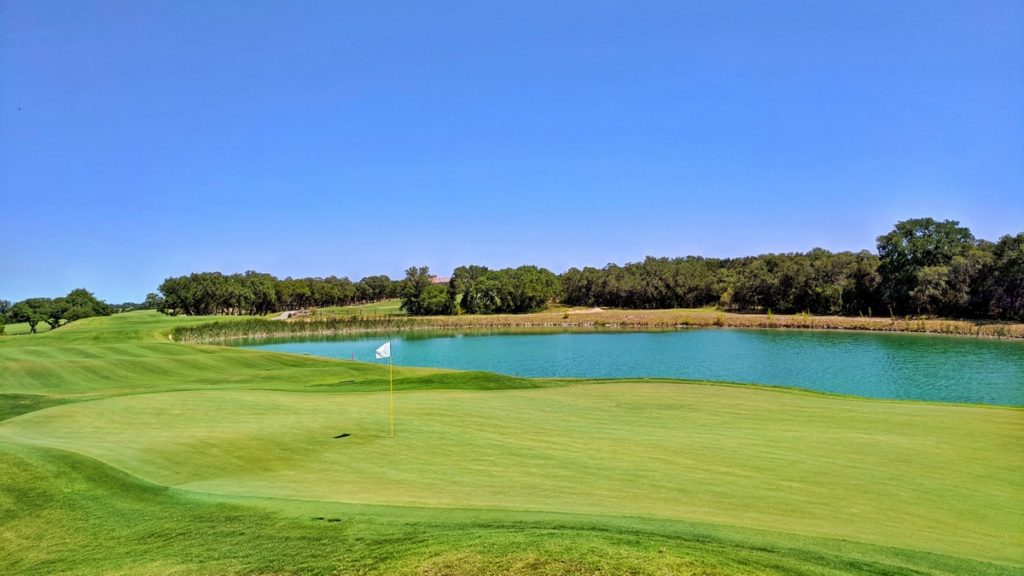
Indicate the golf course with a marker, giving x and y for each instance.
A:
(526, 288)
(125, 452)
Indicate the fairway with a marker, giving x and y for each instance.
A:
(721, 479)
(392, 307)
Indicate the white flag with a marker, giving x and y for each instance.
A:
(384, 351)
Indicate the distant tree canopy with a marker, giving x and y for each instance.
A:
(479, 290)
(153, 301)
(205, 293)
(915, 260)
(930, 267)
(78, 304)
(31, 310)
(997, 287)
(819, 281)
(420, 297)
(376, 288)
(5, 307)
(923, 267)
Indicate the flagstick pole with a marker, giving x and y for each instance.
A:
(391, 391)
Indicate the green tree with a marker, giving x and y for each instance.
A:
(31, 310)
(478, 290)
(153, 301)
(930, 287)
(417, 280)
(965, 282)
(1006, 278)
(83, 304)
(433, 301)
(262, 290)
(860, 290)
(528, 288)
(754, 285)
(56, 312)
(911, 246)
(581, 287)
(462, 293)
(376, 288)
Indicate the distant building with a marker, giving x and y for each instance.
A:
(440, 279)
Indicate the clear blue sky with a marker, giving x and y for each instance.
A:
(140, 140)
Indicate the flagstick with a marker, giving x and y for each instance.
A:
(391, 393)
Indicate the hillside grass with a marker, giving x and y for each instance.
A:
(125, 452)
(391, 307)
(21, 328)
(62, 513)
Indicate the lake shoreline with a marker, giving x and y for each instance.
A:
(321, 324)
(878, 365)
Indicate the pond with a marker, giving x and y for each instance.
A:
(898, 366)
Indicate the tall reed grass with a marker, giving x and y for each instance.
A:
(257, 328)
(321, 325)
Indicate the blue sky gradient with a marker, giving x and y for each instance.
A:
(140, 140)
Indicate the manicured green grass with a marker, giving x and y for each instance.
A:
(384, 307)
(22, 328)
(124, 452)
(12, 405)
(892, 474)
(61, 513)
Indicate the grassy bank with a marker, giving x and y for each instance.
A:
(245, 327)
(392, 307)
(125, 452)
(339, 321)
(709, 317)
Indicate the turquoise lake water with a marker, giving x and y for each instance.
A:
(899, 366)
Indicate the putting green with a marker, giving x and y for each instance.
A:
(944, 479)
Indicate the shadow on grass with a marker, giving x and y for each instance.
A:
(12, 405)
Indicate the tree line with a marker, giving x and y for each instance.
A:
(78, 304)
(922, 267)
(256, 293)
(479, 290)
